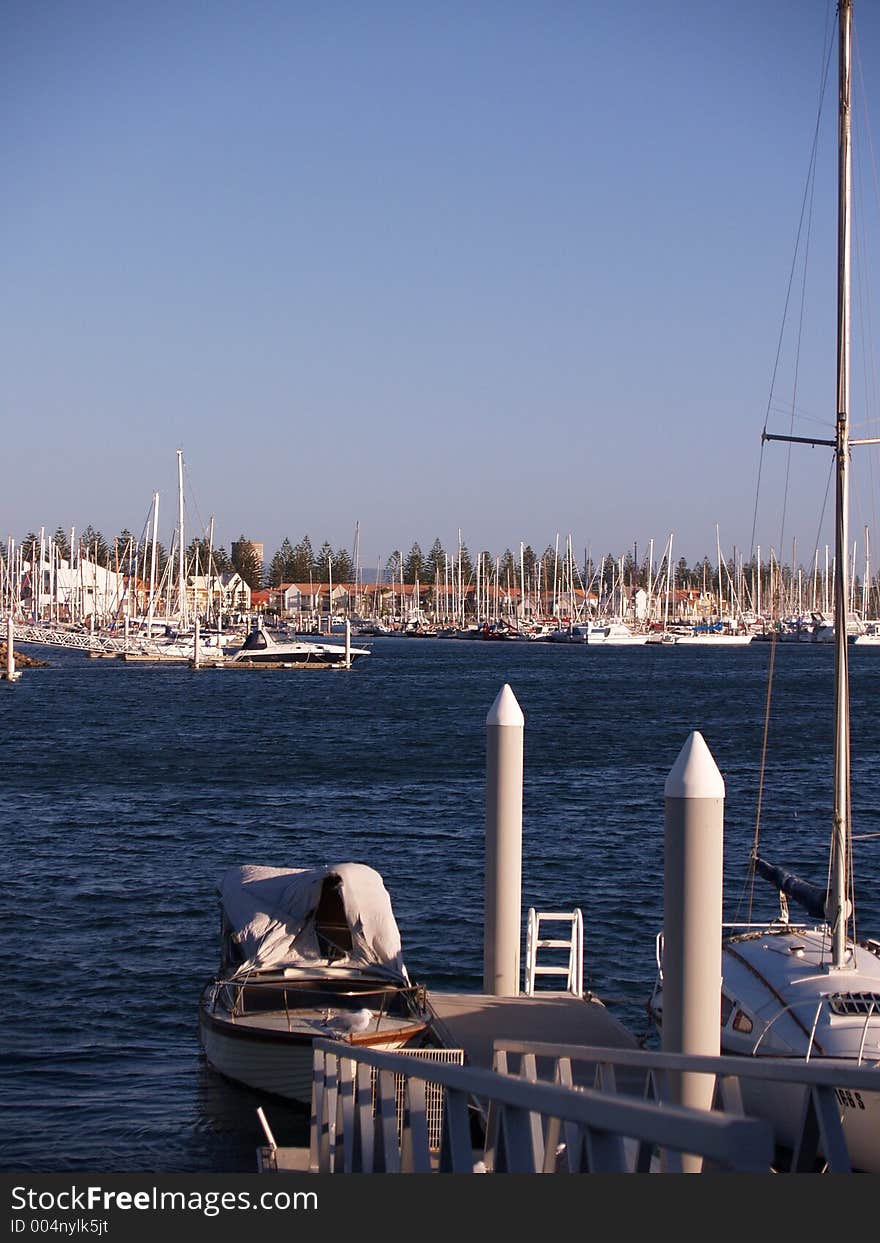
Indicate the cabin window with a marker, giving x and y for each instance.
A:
(742, 1022)
(726, 1009)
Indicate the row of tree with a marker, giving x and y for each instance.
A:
(300, 563)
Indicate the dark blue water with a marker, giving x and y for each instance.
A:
(127, 790)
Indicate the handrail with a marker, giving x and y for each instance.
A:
(817, 1134)
(868, 1016)
(790, 1008)
(354, 1124)
(819, 1072)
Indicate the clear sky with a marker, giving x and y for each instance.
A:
(512, 268)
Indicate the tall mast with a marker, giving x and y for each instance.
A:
(840, 836)
(151, 605)
(209, 575)
(181, 550)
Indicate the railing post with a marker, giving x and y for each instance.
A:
(11, 675)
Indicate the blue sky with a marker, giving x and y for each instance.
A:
(515, 269)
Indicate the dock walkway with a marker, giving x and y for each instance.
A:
(472, 1021)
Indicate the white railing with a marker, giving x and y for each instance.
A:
(819, 1131)
(362, 1123)
(79, 640)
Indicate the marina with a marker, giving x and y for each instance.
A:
(159, 781)
(491, 903)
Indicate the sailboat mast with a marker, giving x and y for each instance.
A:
(181, 549)
(840, 838)
(151, 604)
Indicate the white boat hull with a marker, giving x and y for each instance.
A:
(713, 640)
(281, 1070)
(273, 1052)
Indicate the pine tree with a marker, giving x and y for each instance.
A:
(392, 567)
(414, 565)
(62, 543)
(323, 567)
(281, 567)
(435, 563)
(343, 566)
(303, 566)
(94, 546)
(247, 563)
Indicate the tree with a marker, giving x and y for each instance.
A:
(343, 566)
(303, 564)
(197, 554)
(246, 561)
(125, 552)
(62, 543)
(508, 569)
(161, 560)
(414, 565)
(30, 547)
(392, 567)
(435, 564)
(275, 574)
(94, 546)
(323, 567)
(281, 567)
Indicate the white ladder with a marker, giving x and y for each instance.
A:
(574, 943)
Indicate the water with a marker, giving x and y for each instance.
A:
(128, 789)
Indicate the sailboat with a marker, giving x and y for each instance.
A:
(810, 989)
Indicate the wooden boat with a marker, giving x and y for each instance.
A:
(305, 953)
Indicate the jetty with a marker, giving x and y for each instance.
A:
(527, 1080)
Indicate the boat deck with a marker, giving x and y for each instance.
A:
(312, 1023)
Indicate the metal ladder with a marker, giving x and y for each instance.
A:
(574, 943)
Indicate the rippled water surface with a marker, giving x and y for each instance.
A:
(128, 789)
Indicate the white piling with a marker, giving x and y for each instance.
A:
(347, 643)
(693, 882)
(503, 885)
(11, 675)
(197, 654)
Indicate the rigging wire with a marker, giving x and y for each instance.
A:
(804, 230)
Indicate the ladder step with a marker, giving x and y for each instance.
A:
(560, 915)
(556, 945)
(550, 970)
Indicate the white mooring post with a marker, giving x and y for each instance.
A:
(197, 652)
(503, 910)
(347, 643)
(692, 913)
(11, 675)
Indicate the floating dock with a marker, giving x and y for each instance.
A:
(472, 1021)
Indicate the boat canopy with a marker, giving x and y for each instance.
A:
(309, 917)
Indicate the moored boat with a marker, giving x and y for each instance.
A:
(305, 953)
(261, 650)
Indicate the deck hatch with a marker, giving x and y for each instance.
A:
(854, 1003)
